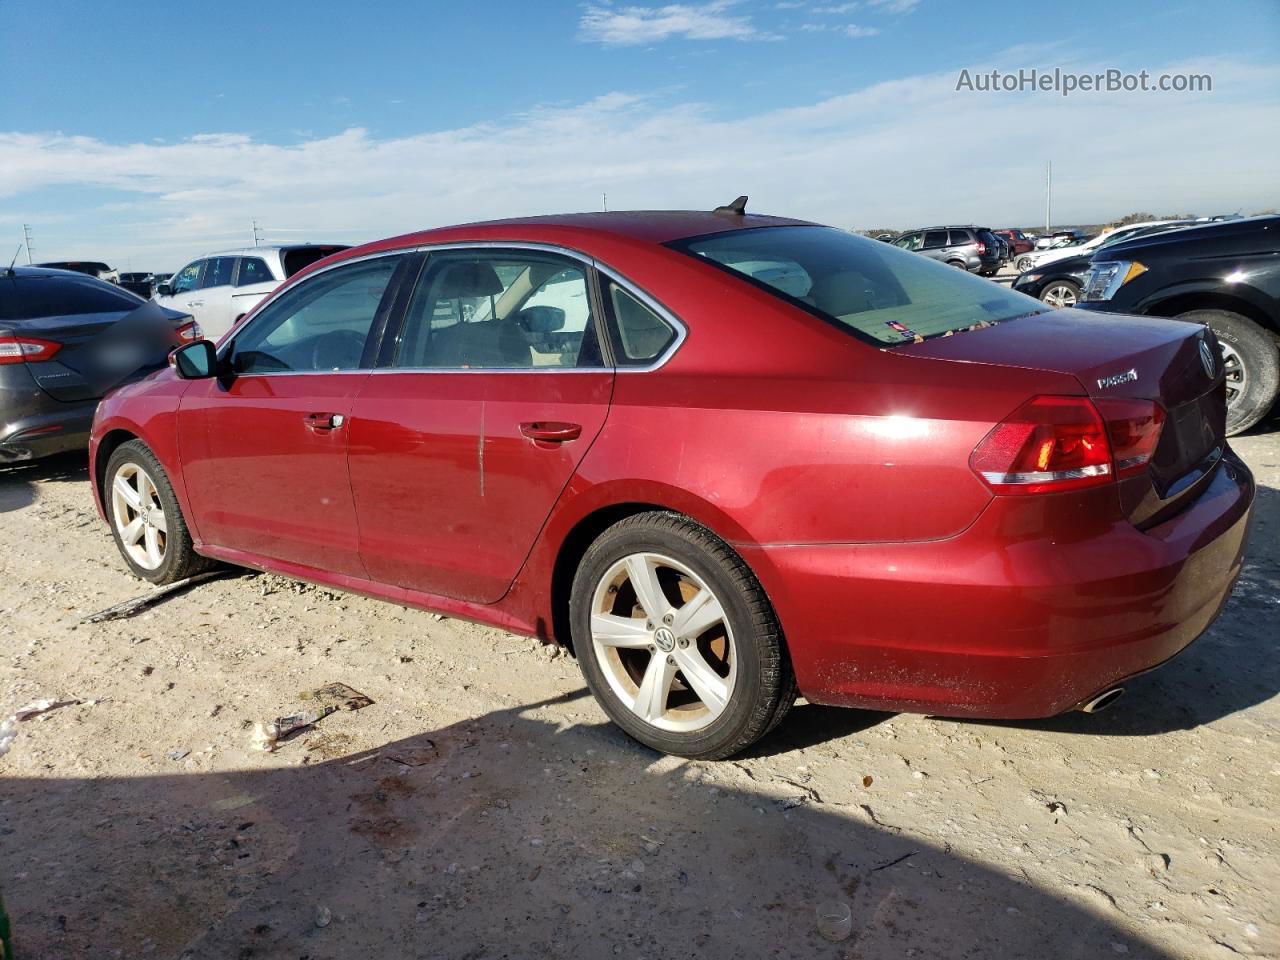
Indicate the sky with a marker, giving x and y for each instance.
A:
(148, 134)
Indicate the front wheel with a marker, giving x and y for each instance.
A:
(1061, 293)
(145, 518)
(1023, 264)
(1251, 363)
(677, 640)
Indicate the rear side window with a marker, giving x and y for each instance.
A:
(28, 298)
(960, 238)
(879, 293)
(640, 336)
(295, 259)
(935, 238)
(218, 272)
(253, 270)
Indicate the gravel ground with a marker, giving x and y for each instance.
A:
(483, 808)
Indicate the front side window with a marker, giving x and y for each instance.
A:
(498, 311)
(881, 294)
(253, 270)
(910, 242)
(188, 278)
(217, 272)
(321, 325)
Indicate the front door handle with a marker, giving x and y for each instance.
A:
(324, 421)
(551, 431)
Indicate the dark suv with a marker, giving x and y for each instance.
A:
(1224, 275)
(975, 249)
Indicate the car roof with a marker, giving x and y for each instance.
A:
(54, 272)
(1202, 231)
(259, 251)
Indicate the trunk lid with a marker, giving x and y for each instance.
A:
(1171, 362)
(99, 351)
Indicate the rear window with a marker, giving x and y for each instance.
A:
(299, 258)
(28, 298)
(877, 292)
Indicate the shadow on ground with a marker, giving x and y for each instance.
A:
(512, 838)
(17, 480)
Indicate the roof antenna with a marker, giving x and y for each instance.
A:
(10, 271)
(738, 208)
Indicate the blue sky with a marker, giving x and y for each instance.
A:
(153, 134)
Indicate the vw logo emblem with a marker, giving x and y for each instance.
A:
(1206, 359)
(665, 639)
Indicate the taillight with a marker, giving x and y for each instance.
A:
(1047, 445)
(1134, 429)
(26, 349)
(190, 331)
(982, 248)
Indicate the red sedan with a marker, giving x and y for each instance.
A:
(725, 458)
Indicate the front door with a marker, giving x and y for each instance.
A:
(460, 447)
(265, 445)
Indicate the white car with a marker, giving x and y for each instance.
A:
(1039, 258)
(219, 289)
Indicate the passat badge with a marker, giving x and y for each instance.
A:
(1116, 379)
(1206, 359)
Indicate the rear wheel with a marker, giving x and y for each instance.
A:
(1251, 362)
(1023, 264)
(677, 639)
(957, 263)
(145, 518)
(1061, 293)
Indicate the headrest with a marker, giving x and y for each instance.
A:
(468, 278)
(541, 319)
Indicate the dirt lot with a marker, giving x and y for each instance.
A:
(483, 808)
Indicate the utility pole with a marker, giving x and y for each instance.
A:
(605, 198)
(1048, 197)
(26, 236)
(257, 234)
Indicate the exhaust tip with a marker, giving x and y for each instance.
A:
(1102, 700)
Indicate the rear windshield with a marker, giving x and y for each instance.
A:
(28, 298)
(874, 290)
(299, 258)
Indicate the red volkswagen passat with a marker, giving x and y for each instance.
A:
(727, 458)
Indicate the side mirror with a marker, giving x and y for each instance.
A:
(164, 289)
(197, 360)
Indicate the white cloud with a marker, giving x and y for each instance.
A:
(634, 25)
(836, 9)
(895, 6)
(853, 30)
(853, 160)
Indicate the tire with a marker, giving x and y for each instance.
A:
(642, 646)
(1061, 293)
(958, 263)
(1252, 359)
(150, 501)
(1023, 264)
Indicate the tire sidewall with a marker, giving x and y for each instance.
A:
(1070, 284)
(748, 686)
(134, 452)
(1260, 355)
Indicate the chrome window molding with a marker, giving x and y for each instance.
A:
(604, 270)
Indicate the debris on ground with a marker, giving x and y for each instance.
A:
(339, 696)
(136, 605)
(9, 726)
(415, 756)
(331, 698)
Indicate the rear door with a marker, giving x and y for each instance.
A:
(935, 244)
(493, 390)
(264, 447)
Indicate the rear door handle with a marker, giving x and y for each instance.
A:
(551, 431)
(195, 303)
(324, 421)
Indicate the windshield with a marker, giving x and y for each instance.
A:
(882, 294)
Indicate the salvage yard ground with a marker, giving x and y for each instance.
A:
(482, 807)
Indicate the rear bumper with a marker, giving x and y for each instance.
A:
(1006, 620)
(33, 424)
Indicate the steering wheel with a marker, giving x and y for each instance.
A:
(337, 350)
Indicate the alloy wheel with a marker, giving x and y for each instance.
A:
(1059, 295)
(1234, 370)
(139, 516)
(663, 641)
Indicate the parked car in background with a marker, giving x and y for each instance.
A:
(1058, 283)
(65, 339)
(221, 288)
(1224, 275)
(975, 249)
(1018, 241)
(1028, 529)
(1059, 238)
(90, 268)
(143, 284)
(1041, 258)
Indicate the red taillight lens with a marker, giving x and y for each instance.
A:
(26, 349)
(982, 248)
(190, 331)
(1134, 429)
(1049, 444)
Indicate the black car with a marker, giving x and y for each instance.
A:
(65, 340)
(1059, 282)
(91, 268)
(143, 284)
(1225, 275)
